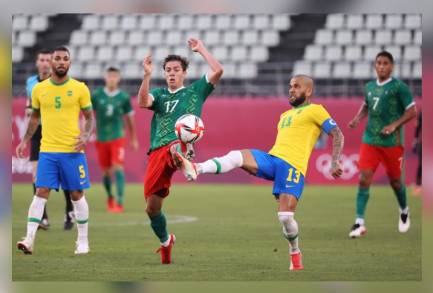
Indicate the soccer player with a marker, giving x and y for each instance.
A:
(44, 71)
(388, 104)
(168, 104)
(111, 105)
(57, 101)
(286, 163)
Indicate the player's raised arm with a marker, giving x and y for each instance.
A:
(337, 150)
(31, 129)
(89, 125)
(362, 113)
(217, 70)
(144, 99)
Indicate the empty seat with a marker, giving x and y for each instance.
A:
(313, 53)
(19, 22)
(110, 22)
(342, 70)
(322, 70)
(128, 22)
(335, 21)
(393, 21)
(147, 21)
(154, 38)
(362, 70)
(402, 37)
(395, 51)
(93, 71)
(39, 23)
(222, 22)
(250, 37)
(124, 53)
(373, 21)
(141, 52)
(117, 38)
(194, 72)
(396, 72)
(324, 37)
(173, 37)
(193, 34)
(90, 22)
(281, 21)
(238, 53)
(229, 70)
(17, 54)
(105, 53)
(182, 51)
(333, 53)
(98, 37)
(212, 37)
(160, 53)
(132, 70)
(231, 37)
(260, 22)
(270, 38)
(136, 37)
(353, 53)
(383, 37)
(166, 22)
(302, 67)
(241, 21)
(370, 52)
(355, 21)
(412, 53)
(405, 70)
(412, 21)
(185, 22)
(76, 70)
(85, 53)
(220, 53)
(258, 54)
(417, 39)
(247, 70)
(204, 22)
(417, 70)
(14, 38)
(363, 37)
(343, 37)
(26, 38)
(78, 38)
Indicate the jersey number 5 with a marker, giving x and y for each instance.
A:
(57, 102)
(170, 105)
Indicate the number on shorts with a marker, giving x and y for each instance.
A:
(297, 176)
(401, 162)
(82, 171)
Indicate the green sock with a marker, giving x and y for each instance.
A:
(401, 197)
(120, 184)
(107, 185)
(361, 201)
(159, 226)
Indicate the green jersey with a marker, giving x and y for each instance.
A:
(110, 109)
(168, 106)
(386, 103)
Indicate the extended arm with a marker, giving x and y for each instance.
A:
(216, 68)
(31, 129)
(362, 113)
(337, 150)
(144, 99)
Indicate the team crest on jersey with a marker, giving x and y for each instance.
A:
(69, 93)
(369, 93)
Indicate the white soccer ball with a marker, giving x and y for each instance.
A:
(189, 128)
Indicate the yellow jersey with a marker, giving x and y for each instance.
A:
(59, 106)
(298, 131)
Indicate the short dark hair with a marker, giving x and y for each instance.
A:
(183, 61)
(43, 51)
(112, 69)
(62, 48)
(385, 54)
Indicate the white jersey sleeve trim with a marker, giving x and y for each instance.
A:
(410, 105)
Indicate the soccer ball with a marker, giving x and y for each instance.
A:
(189, 128)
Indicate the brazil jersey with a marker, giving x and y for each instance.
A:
(298, 130)
(60, 105)
(110, 109)
(169, 106)
(386, 103)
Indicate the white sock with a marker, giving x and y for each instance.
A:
(222, 164)
(81, 210)
(290, 229)
(359, 221)
(36, 211)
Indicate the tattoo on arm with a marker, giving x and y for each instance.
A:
(337, 144)
(90, 122)
(32, 126)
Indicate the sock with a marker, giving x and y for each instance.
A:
(81, 210)
(69, 207)
(361, 201)
(222, 164)
(401, 197)
(360, 221)
(107, 185)
(290, 229)
(120, 184)
(159, 226)
(36, 210)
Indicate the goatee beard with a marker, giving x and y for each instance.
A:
(298, 101)
(61, 74)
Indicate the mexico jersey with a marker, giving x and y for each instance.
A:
(168, 106)
(110, 109)
(386, 103)
(59, 106)
(298, 130)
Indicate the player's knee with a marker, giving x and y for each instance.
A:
(152, 211)
(396, 184)
(364, 180)
(43, 192)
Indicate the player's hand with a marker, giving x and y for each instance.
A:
(189, 153)
(336, 170)
(195, 44)
(389, 129)
(28, 112)
(134, 144)
(82, 140)
(147, 65)
(20, 149)
(353, 123)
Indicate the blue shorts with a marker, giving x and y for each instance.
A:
(69, 170)
(287, 179)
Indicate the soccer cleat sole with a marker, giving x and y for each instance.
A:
(24, 248)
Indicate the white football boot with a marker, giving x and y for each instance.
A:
(403, 222)
(82, 247)
(25, 246)
(357, 231)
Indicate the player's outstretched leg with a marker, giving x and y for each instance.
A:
(35, 213)
(400, 192)
(81, 210)
(359, 229)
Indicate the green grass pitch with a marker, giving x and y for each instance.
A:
(224, 232)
